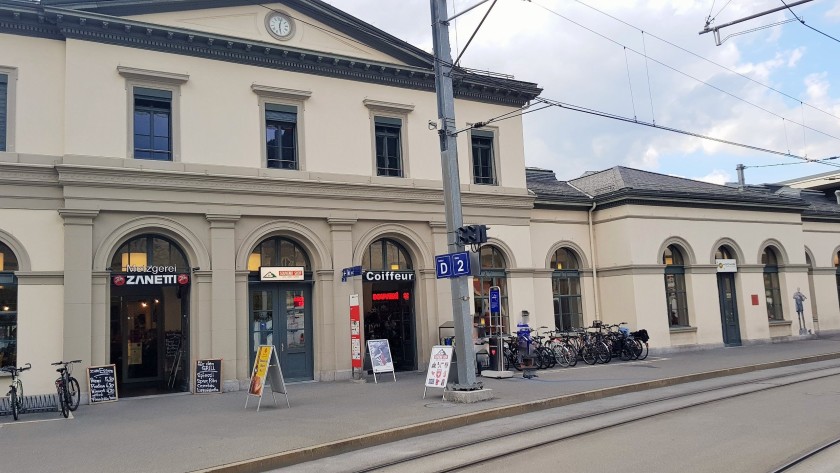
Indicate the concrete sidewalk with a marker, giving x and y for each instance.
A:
(186, 433)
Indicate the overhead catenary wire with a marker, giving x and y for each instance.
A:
(679, 71)
(706, 59)
(486, 14)
(810, 161)
(553, 103)
(807, 25)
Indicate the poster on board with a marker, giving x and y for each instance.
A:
(440, 361)
(380, 357)
(266, 368)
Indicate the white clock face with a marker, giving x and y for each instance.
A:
(280, 26)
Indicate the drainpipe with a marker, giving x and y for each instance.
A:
(837, 196)
(593, 253)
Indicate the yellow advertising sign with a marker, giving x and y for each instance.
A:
(260, 369)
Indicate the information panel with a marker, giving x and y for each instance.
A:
(102, 383)
(380, 357)
(439, 363)
(208, 376)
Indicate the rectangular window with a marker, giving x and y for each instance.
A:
(4, 109)
(482, 157)
(388, 146)
(152, 124)
(676, 297)
(281, 136)
(773, 295)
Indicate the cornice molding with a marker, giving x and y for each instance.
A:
(279, 93)
(149, 75)
(78, 175)
(387, 107)
(60, 24)
(40, 278)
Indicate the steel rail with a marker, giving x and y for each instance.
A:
(806, 456)
(506, 435)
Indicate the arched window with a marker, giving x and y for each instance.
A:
(387, 255)
(493, 273)
(565, 286)
(149, 250)
(724, 252)
(675, 289)
(278, 251)
(8, 306)
(772, 290)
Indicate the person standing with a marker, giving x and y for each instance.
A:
(798, 298)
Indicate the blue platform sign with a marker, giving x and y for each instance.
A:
(443, 266)
(350, 272)
(460, 264)
(495, 299)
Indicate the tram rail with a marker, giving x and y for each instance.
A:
(492, 455)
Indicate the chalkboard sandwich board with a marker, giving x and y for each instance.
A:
(102, 383)
(208, 376)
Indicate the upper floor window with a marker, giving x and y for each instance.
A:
(772, 289)
(483, 161)
(281, 136)
(675, 287)
(4, 114)
(152, 124)
(388, 146)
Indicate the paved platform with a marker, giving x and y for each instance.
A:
(176, 433)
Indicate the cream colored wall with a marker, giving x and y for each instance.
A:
(40, 65)
(249, 22)
(823, 241)
(40, 331)
(40, 334)
(220, 120)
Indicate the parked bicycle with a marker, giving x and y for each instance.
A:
(16, 388)
(67, 386)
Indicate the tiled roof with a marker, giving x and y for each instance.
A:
(545, 185)
(621, 183)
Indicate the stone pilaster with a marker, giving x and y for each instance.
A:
(337, 357)
(78, 269)
(223, 339)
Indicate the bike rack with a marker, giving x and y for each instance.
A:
(32, 404)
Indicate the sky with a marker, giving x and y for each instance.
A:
(765, 86)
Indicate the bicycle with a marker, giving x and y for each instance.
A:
(16, 388)
(67, 386)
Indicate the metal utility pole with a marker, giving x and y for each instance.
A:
(461, 312)
(716, 29)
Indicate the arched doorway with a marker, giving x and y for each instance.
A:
(493, 273)
(150, 316)
(726, 271)
(280, 304)
(565, 287)
(8, 306)
(389, 300)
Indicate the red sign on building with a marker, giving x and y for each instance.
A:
(355, 332)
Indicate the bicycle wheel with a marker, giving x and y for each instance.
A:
(73, 392)
(561, 355)
(602, 352)
(644, 352)
(626, 351)
(13, 403)
(588, 354)
(62, 402)
(572, 353)
(19, 392)
(635, 348)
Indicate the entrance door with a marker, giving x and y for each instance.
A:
(389, 315)
(281, 315)
(728, 309)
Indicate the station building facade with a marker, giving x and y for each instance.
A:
(188, 180)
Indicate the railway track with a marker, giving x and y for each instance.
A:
(470, 452)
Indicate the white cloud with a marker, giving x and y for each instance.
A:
(577, 66)
(715, 177)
